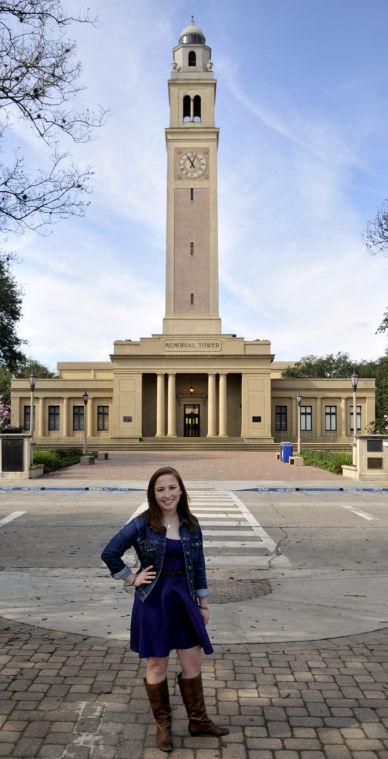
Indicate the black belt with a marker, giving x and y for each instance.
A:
(173, 574)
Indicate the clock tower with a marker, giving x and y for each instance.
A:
(192, 240)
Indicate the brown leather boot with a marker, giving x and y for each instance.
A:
(192, 695)
(160, 705)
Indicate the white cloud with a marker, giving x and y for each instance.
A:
(292, 266)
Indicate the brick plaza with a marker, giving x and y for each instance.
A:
(66, 696)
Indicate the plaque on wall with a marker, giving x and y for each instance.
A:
(127, 419)
(375, 464)
(374, 446)
(256, 419)
(12, 454)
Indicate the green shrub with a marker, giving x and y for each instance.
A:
(330, 460)
(50, 459)
(56, 459)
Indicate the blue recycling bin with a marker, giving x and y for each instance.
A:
(286, 450)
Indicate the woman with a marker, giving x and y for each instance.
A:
(170, 609)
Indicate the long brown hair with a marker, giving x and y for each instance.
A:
(154, 511)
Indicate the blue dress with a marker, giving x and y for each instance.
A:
(168, 618)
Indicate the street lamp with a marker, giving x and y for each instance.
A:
(354, 379)
(85, 399)
(32, 381)
(299, 401)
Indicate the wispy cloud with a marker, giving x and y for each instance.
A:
(294, 186)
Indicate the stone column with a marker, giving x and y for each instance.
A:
(294, 419)
(211, 406)
(160, 406)
(40, 421)
(90, 417)
(318, 425)
(343, 418)
(171, 406)
(223, 412)
(65, 420)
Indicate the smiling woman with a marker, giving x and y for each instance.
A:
(170, 609)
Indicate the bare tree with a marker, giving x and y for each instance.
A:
(39, 77)
(376, 232)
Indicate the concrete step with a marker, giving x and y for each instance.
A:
(187, 444)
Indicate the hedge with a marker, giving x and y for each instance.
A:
(57, 459)
(330, 460)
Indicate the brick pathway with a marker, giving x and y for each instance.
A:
(72, 697)
(194, 465)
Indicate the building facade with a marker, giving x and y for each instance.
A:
(192, 380)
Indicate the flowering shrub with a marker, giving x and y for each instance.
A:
(376, 428)
(5, 414)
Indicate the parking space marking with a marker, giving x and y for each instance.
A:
(11, 517)
(363, 514)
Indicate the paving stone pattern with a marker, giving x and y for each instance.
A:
(74, 697)
(196, 465)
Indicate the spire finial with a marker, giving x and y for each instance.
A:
(192, 21)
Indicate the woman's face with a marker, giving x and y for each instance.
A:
(167, 493)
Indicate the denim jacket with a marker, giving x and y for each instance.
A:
(150, 547)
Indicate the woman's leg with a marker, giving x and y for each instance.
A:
(190, 685)
(156, 686)
(190, 660)
(156, 669)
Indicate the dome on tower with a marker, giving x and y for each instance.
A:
(192, 34)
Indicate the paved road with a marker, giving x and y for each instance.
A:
(282, 566)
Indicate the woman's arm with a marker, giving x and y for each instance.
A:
(200, 581)
(117, 546)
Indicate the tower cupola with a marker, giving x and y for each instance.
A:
(192, 57)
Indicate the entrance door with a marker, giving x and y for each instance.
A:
(191, 420)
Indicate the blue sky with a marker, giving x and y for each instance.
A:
(303, 164)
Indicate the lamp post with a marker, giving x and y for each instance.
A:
(354, 379)
(85, 399)
(299, 401)
(32, 381)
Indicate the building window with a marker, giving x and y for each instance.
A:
(191, 193)
(331, 418)
(281, 418)
(192, 108)
(78, 418)
(53, 418)
(192, 58)
(306, 415)
(191, 248)
(191, 299)
(197, 108)
(358, 419)
(102, 418)
(186, 108)
(27, 418)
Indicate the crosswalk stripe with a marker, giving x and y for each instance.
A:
(227, 532)
(224, 509)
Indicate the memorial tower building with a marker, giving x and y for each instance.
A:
(191, 384)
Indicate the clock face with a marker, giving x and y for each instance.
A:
(192, 164)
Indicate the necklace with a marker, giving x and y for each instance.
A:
(171, 524)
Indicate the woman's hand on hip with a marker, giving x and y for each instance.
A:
(145, 577)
